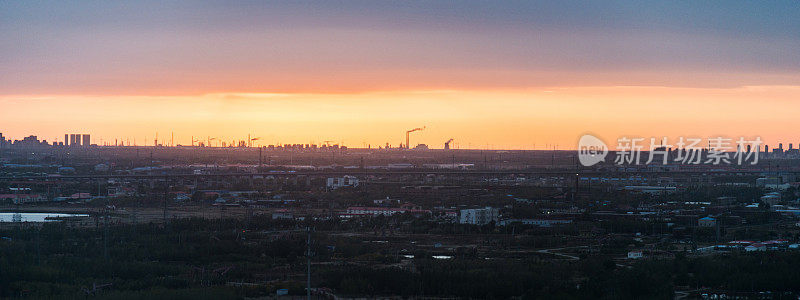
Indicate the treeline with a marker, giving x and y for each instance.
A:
(588, 278)
(195, 258)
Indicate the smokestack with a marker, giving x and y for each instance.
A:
(410, 131)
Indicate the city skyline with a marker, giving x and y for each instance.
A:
(466, 120)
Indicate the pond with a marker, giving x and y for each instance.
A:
(35, 217)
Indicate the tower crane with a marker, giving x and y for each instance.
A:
(447, 144)
(250, 141)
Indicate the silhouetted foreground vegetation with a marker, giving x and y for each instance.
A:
(202, 259)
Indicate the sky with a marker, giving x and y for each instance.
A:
(490, 74)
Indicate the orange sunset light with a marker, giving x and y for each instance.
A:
(512, 119)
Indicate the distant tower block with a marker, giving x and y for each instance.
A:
(87, 140)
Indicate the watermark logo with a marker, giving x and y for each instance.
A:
(591, 150)
(687, 151)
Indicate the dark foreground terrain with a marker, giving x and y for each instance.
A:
(254, 257)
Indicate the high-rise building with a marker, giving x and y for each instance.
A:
(66, 139)
(87, 140)
(74, 139)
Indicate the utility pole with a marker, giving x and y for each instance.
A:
(38, 246)
(308, 263)
(166, 195)
(105, 234)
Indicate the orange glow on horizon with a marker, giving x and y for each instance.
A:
(497, 119)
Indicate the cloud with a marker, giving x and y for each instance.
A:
(157, 48)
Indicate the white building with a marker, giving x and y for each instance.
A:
(282, 215)
(653, 190)
(360, 211)
(339, 182)
(636, 254)
(479, 216)
(400, 166)
(535, 222)
(454, 166)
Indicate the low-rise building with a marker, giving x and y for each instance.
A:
(22, 198)
(653, 190)
(282, 215)
(479, 216)
(636, 254)
(756, 247)
(340, 182)
(361, 211)
(771, 198)
(536, 222)
(707, 222)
